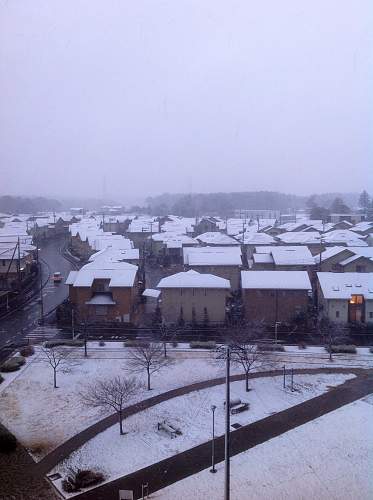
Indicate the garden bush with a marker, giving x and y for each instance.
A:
(12, 364)
(101, 343)
(78, 479)
(371, 349)
(136, 343)
(342, 349)
(8, 442)
(271, 347)
(174, 344)
(26, 351)
(70, 343)
(201, 344)
(302, 345)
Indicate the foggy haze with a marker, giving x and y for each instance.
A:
(130, 99)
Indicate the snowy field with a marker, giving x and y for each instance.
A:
(144, 445)
(327, 459)
(37, 413)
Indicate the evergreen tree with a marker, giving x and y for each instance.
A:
(364, 200)
(338, 206)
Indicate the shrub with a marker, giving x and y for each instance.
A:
(56, 343)
(174, 344)
(101, 343)
(8, 442)
(26, 351)
(342, 349)
(371, 349)
(271, 347)
(1, 379)
(81, 479)
(12, 364)
(302, 345)
(200, 344)
(136, 343)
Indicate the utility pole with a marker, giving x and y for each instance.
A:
(41, 297)
(73, 323)
(227, 425)
(19, 265)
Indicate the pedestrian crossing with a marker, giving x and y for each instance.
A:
(43, 333)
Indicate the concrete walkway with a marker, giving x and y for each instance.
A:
(196, 459)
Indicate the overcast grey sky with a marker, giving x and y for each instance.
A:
(185, 95)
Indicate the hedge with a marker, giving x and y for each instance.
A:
(342, 349)
(56, 343)
(136, 343)
(12, 364)
(271, 347)
(200, 344)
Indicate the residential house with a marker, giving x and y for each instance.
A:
(346, 297)
(225, 262)
(191, 297)
(104, 291)
(275, 296)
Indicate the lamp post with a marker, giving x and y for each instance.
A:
(276, 326)
(213, 469)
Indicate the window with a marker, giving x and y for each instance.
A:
(101, 310)
(3, 262)
(360, 269)
(337, 314)
(356, 299)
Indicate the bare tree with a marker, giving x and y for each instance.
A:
(332, 332)
(112, 393)
(149, 358)
(244, 349)
(58, 358)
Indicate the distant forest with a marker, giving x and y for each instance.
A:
(20, 204)
(188, 205)
(191, 205)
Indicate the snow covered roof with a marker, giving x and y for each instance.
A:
(263, 258)
(272, 280)
(286, 255)
(216, 238)
(150, 292)
(101, 299)
(345, 236)
(343, 285)
(71, 277)
(111, 254)
(254, 238)
(331, 252)
(212, 256)
(120, 274)
(193, 279)
(304, 238)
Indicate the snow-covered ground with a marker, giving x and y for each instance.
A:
(43, 418)
(327, 459)
(143, 444)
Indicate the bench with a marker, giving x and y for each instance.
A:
(169, 429)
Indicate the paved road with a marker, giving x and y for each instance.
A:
(196, 459)
(22, 322)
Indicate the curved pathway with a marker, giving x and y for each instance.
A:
(64, 450)
(194, 460)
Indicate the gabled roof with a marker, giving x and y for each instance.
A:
(212, 256)
(216, 238)
(275, 280)
(120, 274)
(193, 279)
(343, 285)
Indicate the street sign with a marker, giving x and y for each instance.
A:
(125, 495)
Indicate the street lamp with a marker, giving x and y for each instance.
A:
(213, 408)
(276, 326)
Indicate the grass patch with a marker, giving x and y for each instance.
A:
(342, 349)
